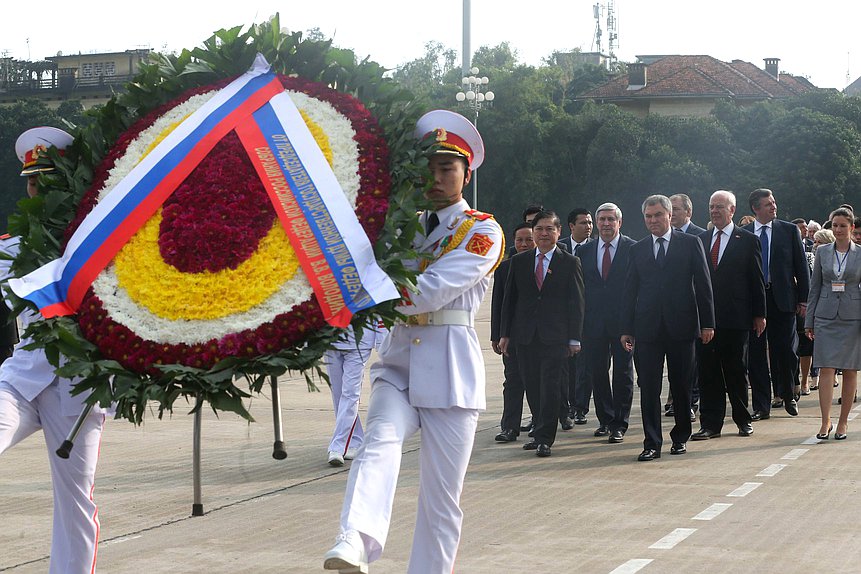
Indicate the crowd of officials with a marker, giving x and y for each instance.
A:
(755, 314)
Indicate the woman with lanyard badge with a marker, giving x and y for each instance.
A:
(834, 319)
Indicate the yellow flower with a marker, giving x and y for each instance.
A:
(167, 292)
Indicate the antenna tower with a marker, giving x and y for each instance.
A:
(612, 31)
(597, 10)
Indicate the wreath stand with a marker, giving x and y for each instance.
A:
(279, 451)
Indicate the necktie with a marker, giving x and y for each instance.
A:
(606, 262)
(433, 221)
(576, 248)
(716, 250)
(763, 240)
(661, 252)
(539, 271)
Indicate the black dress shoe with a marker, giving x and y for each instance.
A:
(602, 431)
(705, 434)
(678, 448)
(745, 430)
(760, 416)
(506, 436)
(531, 445)
(616, 437)
(567, 423)
(543, 450)
(580, 419)
(669, 411)
(527, 426)
(649, 454)
(791, 407)
(531, 432)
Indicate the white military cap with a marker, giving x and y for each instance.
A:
(33, 144)
(454, 134)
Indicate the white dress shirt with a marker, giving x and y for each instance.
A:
(656, 245)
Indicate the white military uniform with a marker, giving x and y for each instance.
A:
(429, 377)
(345, 365)
(32, 397)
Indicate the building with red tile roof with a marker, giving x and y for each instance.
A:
(689, 86)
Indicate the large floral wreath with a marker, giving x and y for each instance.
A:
(209, 289)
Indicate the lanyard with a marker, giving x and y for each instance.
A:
(840, 261)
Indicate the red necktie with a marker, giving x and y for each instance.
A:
(539, 271)
(605, 263)
(716, 250)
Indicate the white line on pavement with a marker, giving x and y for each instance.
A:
(632, 566)
(794, 454)
(745, 489)
(712, 511)
(771, 470)
(851, 416)
(670, 540)
(119, 540)
(812, 440)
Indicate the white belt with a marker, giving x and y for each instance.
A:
(442, 317)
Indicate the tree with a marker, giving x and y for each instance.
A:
(428, 76)
(811, 161)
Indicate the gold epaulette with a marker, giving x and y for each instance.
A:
(479, 215)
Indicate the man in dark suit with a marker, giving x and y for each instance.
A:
(578, 392)
(604, 264)
(667, 304)
(739, 300)
(512, 386)
(580, 225)
(542, 316)
(683, 210)
(787, 281)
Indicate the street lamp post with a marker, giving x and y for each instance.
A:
(475, 95)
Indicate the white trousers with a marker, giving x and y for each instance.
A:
(446, 445)
(75, 532)
(346, 370)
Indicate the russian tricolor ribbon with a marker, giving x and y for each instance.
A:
(332, 247)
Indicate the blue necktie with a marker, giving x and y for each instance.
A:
(661, 252)
(763, 239)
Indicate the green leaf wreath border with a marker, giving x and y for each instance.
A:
(40, 222)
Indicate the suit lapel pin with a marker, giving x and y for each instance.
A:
(454, 223)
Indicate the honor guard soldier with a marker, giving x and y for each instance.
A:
(32, 397)
(431, 372)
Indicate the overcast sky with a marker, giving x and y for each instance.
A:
(817, 40)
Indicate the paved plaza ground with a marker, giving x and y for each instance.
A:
(779, 501)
